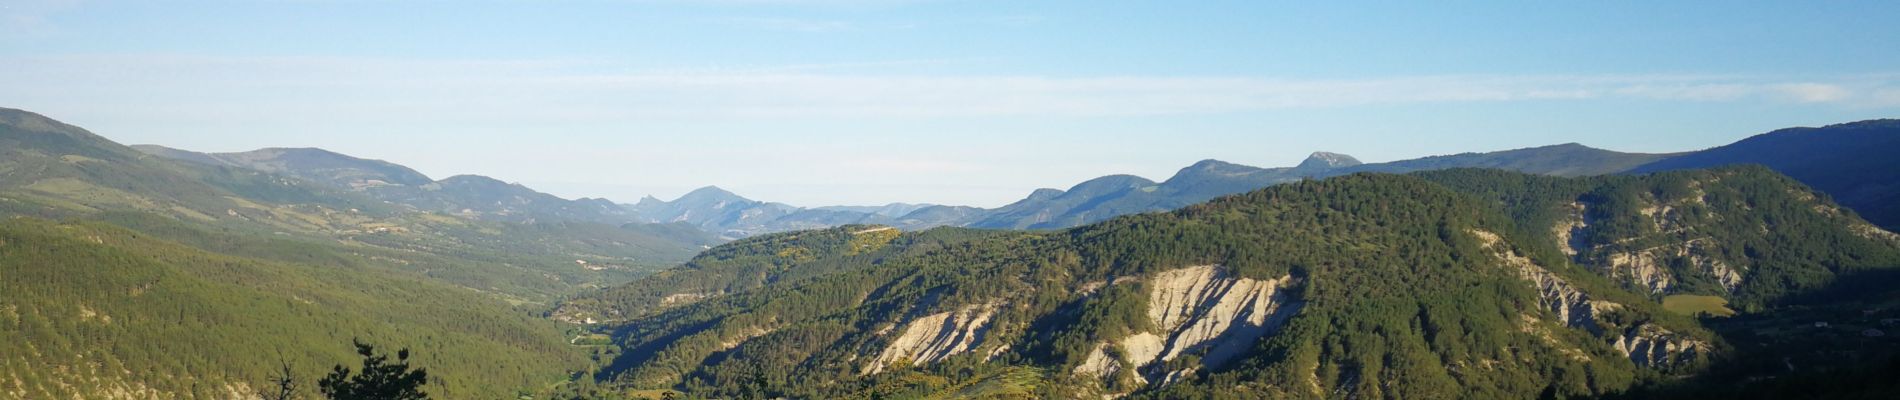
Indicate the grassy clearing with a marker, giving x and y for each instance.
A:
(651, 394)
(1689, 304)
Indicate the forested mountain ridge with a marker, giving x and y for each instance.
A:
(1853, 162)
(758, 261)
(1211, 178)
(1847, 161)
(55, 170)
(1568, 160)
(312, 164)
(466, 195)
(1746, 234)
(1363, 285)
(718, 210)
(127, 275)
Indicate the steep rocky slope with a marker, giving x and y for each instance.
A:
(1746, 234)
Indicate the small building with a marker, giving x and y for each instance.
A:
(1870, 332)
(1821, 325)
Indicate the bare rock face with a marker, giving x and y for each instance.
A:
(1198, 310)
(1870, 231)
(1654, 347)
(1204, 306)
(1646, 345)
(1569, 229)
(1647, 269)
(1642, 269)
(1572, 306)
(1099, 365)
(934, 337)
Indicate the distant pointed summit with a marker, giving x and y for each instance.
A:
(1044, 194)
(1326, 160)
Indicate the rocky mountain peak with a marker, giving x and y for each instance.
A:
(1044, 194)
(1328, 160)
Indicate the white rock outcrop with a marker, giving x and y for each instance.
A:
(1569, 229)
(1655, 347)
(1099, 365)
(934, 337)
(1203, 310)
(1648, 268)
(1572, 306)
(1870, 231)
(1640, 268)
(1646, 345)
(1206, 307)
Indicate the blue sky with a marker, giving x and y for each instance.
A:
(817, 102)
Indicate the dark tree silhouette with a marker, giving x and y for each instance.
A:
(282, 386)
(379, 379)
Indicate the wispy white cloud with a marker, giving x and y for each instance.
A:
(1808, 92)
(570, 89)
(1689, 91)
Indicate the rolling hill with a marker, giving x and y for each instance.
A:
(471, 196)
(1852, 162)
(96, 311)
(127, 275)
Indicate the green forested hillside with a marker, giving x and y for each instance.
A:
(55, 170)
(471, 196)
(91, 310)
(1440, 285)
(164, 279)
(131, 276)
(1853, 162)
(755, 262)
(1444, 285)
(1745, 233)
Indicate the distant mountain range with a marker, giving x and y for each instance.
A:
(467, 195)
(1115, 195)
(1111, 196)
(712, 209)
(1852, 162)
(1848, 161)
